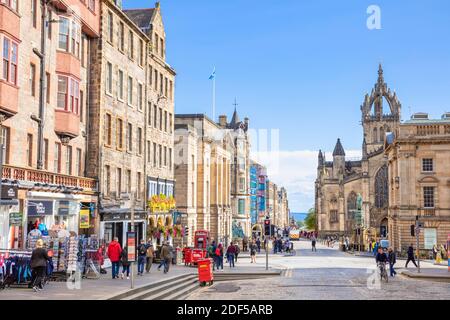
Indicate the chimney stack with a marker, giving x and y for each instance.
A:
(223, 121)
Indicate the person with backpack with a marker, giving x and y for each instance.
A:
(114, 253)
(212, 253)
(142, 255)
(125, 263)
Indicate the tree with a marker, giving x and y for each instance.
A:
(300, 224)
(310, 220)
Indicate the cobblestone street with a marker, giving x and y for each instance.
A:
(325, 274)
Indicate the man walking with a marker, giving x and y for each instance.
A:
(231, 251)
(150, 254)
(237, 251)
(411, 256)
(142, 255)
(258, 244)
(166, 256)
(392, 260)
(114, 252)
(313, 244)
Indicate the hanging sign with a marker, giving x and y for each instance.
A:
(9, 192)
(15, 218)
(131, 243)
(63, 209)
(84, 219)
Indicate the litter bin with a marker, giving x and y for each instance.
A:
(205, 272)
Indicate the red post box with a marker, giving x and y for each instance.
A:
(205, 272)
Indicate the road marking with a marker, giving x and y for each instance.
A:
(288, 273)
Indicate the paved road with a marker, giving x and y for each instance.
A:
(325, 274)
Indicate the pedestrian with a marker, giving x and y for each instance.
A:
(125, 263)
(38, 264)
(142, 256)
(149, 254)
(212, 253)
(435, 251)
(258, 244)
(313, 244)
(410, 256)
(275, 245)
(219, 256)
(100, 258)
(231, 251)
(375, 248)
(114, 252)
(253, 248)
(392, 260)
(238, 250)
(166, 256)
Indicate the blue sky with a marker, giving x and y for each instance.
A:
(303, 67)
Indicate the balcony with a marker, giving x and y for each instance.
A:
(68, 64)
(67, 124)
(9, 21)
(9, 99)
(38, 176)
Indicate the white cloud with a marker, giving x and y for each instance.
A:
(296, 171)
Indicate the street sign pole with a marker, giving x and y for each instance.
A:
(417, 244)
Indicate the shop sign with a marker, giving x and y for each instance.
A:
(9, 192)
(176, 218)
(84, 219)
(40, 208)
(123, 216)
(63, 209)
(131, 243)
(15, 218)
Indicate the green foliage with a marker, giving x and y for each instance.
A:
(310, 220)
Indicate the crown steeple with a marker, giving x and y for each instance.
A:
(338, 149)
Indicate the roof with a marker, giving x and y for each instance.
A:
(235, 119)
(338, 149)
(427, 121)
(141, 17)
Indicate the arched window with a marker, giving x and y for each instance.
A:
(333, 206)
(381, 135)
(375, 135)
(381, 188)
(351, 205)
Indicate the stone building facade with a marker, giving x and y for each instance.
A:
(44, 168)
(132, 101)
(208, 160)
(418, 154)
(340, 183)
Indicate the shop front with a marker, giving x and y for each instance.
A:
(10, 229)
(117, 222)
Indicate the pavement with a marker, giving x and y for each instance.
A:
(105, 287)
(327, 274)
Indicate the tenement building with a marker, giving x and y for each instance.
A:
(204, 154)
(44, 116)
(132, 101)
(419, 181)
(351, 196)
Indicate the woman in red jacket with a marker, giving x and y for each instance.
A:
(114, 252)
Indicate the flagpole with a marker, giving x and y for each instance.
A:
(214, 100)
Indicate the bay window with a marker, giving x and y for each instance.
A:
(69, 36)
(10, 61)
(68, 94)
(10, 3)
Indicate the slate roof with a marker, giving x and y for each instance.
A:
(338, 149)
(141, 17)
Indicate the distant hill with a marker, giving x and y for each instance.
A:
(299, 216)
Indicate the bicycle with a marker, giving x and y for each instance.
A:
(383, 272)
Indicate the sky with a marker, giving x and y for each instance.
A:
(302, 67)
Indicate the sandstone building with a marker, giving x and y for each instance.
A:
(44, 167)
(418, 154)
(341, 183)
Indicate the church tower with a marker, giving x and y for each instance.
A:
(338, 160)
(375, 122)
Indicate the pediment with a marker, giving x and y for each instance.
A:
(429, 179)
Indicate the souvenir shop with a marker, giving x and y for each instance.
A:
(10, 228)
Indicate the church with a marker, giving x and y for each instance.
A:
(351, 196)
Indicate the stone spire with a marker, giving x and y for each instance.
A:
(321, 160)
(235, 119)
(338, 149)
(380, 74)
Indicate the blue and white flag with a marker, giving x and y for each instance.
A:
(213, 74)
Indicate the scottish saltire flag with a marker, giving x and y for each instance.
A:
(213, 74)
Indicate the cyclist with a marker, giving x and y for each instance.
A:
(381, 260)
